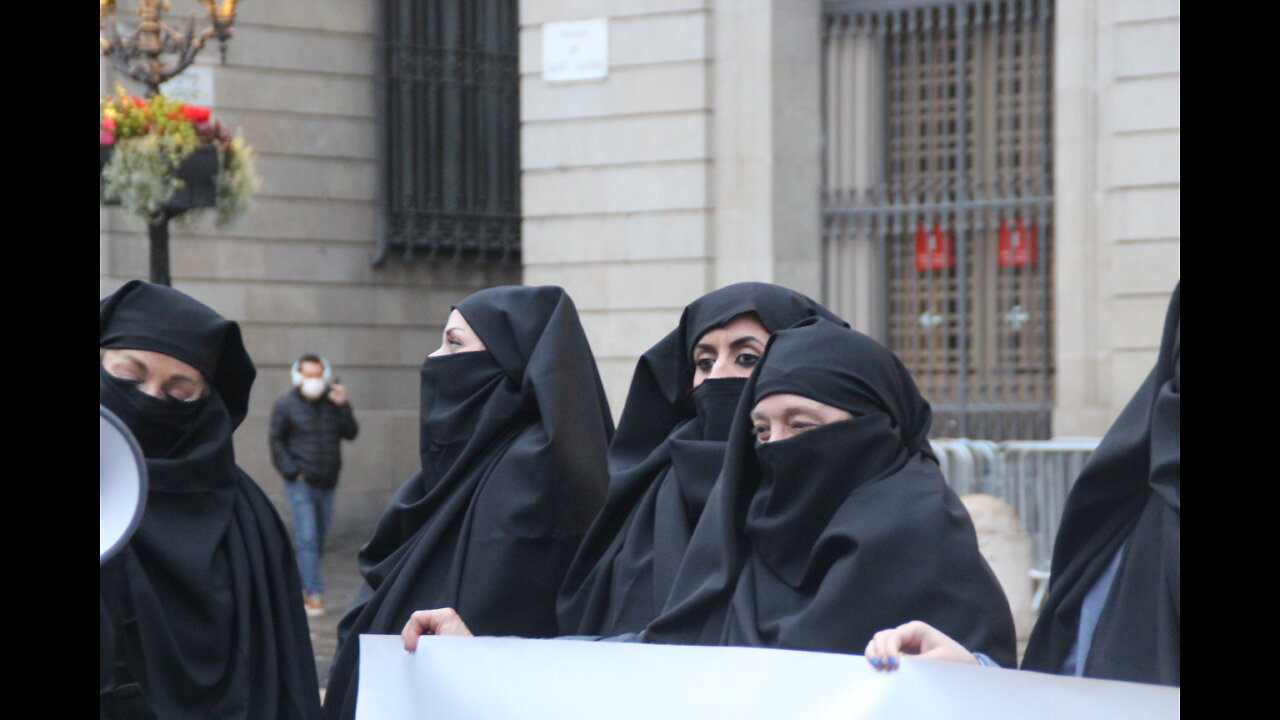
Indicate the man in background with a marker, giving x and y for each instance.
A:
(308, 424)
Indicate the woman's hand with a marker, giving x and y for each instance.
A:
(442, 621)
(914, 638)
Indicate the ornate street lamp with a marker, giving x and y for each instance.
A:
(142, 55)
(139, 55)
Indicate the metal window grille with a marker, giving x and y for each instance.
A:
(937, 127)
(449, 85)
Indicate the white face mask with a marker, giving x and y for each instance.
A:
(312, 388)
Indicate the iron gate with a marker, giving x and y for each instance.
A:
(938, 200)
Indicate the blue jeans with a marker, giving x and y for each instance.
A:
(311, 509)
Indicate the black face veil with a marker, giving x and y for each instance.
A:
(1127, 497)
(663, 462)
(201, 611)
(513, 444)
(818, 541)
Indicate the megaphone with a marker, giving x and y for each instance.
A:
(122, 484)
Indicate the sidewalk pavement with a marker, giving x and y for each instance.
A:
(342, 580)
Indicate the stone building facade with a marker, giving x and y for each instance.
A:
(696, 161)
(295, 271)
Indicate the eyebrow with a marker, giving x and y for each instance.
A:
(744, 340)
(786, 414)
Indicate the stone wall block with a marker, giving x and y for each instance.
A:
(1131, 10)
(319, 178)
(673, 186)
(630, 139)
(1147, 104)
(1147, 48)
(284, 48)
(1151, 268)
(632, 286)
(1136, 323)
(627, 334)
(1144, 159)
(324, 16)
(1146, 213)
(540, 11)
(670, 87)
(324, 136)
(619, 237)
(272, 90)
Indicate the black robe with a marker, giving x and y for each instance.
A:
(513, 446)
(662, 463)
(818, 541)
(1128, 494)
(201, 612)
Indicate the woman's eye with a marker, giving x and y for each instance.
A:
(747, 360)
(705, 364)
(799, 427)
(182, 392)
(760, 431)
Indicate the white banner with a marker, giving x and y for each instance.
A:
(490, 678)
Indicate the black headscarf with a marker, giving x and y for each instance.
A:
(662, 463)
(818, 541)
(1129, 494)
(513, 447)
(201, 611)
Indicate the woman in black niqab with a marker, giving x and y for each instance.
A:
(663, 461)
(201, 611)
(816, 541)
(513, 446)
(1114, 605)
(1125, 508)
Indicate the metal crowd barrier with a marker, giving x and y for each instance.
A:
(969, 465)
(1038, 475)
(1033, 476)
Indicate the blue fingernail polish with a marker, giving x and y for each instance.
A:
(875, 663)
(893, 662)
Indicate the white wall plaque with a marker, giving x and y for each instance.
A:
(577, 50)
(193, 86)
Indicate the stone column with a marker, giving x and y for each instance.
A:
(616, 172)
(1117, 178)
(766, 145)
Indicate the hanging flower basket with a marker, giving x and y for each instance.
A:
(160, 157)
(197, 180)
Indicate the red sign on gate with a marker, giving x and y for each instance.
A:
(1017, 246)
(935, 249)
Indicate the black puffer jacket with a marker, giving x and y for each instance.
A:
(305, 438)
